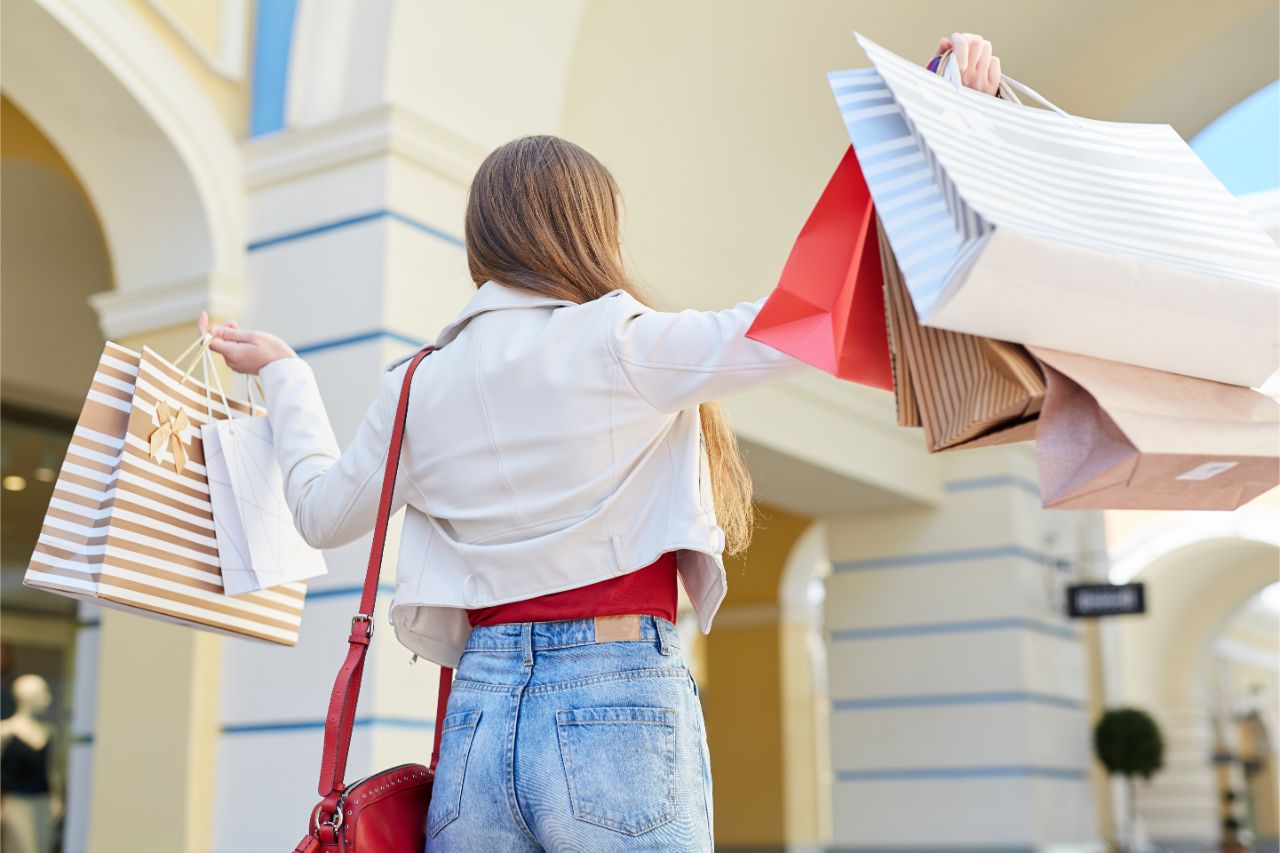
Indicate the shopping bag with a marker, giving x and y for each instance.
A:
(129, 525)
(828, 307)
(259, 546)
(904, 390)
(68, 554)
(1117, 436)
(966, 391)
(1033, 226)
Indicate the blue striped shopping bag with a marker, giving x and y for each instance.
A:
(1107, 239)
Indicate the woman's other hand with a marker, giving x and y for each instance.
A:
(245, 351)
(979, 68)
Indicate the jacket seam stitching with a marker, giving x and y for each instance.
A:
(671, 472)
(618, 360)
(355, 495)
(525, 526)
(488, 424)
(351, 502)
(613, 454)
(693, 368)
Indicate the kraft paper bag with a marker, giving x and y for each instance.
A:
(1038, 227)
(966, 391)
(130, 524)
(828, 307)
(259, 546)
(1117, 436)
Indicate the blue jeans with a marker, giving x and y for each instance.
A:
(555, 741)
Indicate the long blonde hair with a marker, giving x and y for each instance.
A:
(543, 215)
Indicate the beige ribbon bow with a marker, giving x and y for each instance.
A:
(171, 427)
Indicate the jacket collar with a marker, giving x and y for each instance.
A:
(495, 296)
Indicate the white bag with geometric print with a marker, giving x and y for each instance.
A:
(258, 545)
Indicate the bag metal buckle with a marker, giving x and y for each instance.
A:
(334, 821)
(368, 628)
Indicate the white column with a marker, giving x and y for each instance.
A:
(958, 688)
(79, 789)
(355, 257)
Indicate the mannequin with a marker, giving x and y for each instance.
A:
(29, 802)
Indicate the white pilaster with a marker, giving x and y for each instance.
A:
(958, 687)
(355, 257)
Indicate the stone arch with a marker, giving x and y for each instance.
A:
(1199, 571)
(162, 172)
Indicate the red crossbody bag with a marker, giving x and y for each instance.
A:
(385, 812)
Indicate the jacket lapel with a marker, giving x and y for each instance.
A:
(490, 296)
(493, 296)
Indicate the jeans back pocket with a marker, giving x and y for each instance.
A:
(620, 766)
(457, 732)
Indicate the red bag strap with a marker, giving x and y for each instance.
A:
(346, 688)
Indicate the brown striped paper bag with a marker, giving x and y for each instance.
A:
(130, 524)
(966, 391)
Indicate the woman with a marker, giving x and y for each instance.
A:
(564, 461)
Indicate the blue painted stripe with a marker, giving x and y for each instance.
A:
(272, 46)
(1007, 697)
(358, 338)
(957, 627)
(338, 591)
(312, 725)
(1073, 774)
(959, 555)
(358, 219)
(979, 483)
(427, 229)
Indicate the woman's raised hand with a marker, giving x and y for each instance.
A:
(245, 351)
(979, 68)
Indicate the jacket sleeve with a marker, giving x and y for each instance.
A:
(333, 496)
(679, 359)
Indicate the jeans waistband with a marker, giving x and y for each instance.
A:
(560, 634)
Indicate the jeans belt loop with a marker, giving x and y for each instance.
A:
(660, 626)
(526, 642)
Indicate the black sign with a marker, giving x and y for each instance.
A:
(1105, 599)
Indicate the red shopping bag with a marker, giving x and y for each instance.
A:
(828, 307)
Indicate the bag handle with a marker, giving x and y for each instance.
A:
(201, 356)
(950, 71)
(346, 688)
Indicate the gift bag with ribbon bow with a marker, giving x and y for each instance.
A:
(130, 524)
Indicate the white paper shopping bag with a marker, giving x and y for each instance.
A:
(258, 543)
(1108, 239)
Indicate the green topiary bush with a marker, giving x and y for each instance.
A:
(1128, 743)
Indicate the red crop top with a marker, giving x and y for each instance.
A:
(650, 590)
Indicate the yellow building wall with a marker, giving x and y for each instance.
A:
(741, 694)
(200, 21)
(20, 139)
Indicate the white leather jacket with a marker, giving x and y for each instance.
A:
(549, 445)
